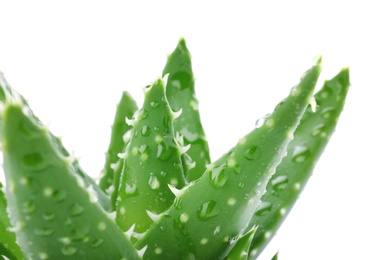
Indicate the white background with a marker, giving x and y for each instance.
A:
(72, 60)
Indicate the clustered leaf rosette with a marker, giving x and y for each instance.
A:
(159, 195)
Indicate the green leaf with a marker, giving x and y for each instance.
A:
(8, 94)
(310, 139)
(8, 244)
(152, 167)
(242, 247)
(213, 212)
(181, 96)
(112, 168)
(48, 202)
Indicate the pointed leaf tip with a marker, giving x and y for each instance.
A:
(317, 61)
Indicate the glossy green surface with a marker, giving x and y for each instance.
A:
(49, 205)
(8, 245)
(113, 165)
(210, 215)
(152, 164)
(181, 96)
(310, 140)
(159, 196)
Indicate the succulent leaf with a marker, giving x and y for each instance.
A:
(112, 168)
(8, 94)
(8, 244)
(242, 248)
(152, 163)
(212, 213)
(48, 203)
(181, 96)
(310, 140)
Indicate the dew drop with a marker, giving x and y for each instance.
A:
(145, 131)
(264, 208)
(65, 240)
(34, 161)
(219, 176)
(69, 250)
(144, 149)
(59, 196)
(252, 152)
(153, 182)
(81, 233)
(49, 216)
(208, 210)
(279, 182)
(75, 209)
(204, 241)
(158, 251)
(327, 113)
(184, 218)
(43, 231)
(300, 154)
(48, 191)
(102, 226)
(231, 202)
(130, 189)
(181, 80)
(97, 242)
(318, 130)
(67, 222)
(217, 230)
(178, 203)
(141, 114)
(163, 151)
(43, 256)
(28, 207)
(325, 93)
(154, 104)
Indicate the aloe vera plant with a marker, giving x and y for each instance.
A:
(160, 196)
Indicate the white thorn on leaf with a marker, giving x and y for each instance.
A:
(127, 136)
(112, 215)
(165, 79)
(184, 149)
(122, 155)
(130, 122)
(174, 190)
(153, 216)
(313, 104)
(190, 165)
(177, 114)
(130, 231)
(141, 252)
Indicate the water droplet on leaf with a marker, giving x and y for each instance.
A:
(69, 250)
(75, 209)
(34, 161)
(327, 113)
(28, 207)
(279, 182)
(264, 208)
(97, 242)
(208, 210)
(163, 151)
(153, 182)
(43, 231)
(300, 154)
(252, 152)
(145, 131)
(219, 176)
